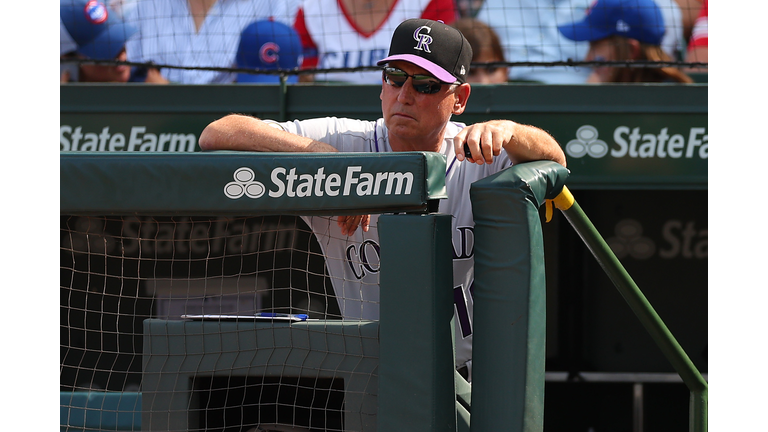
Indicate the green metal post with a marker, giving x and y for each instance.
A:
(641, 307)
(283, 97)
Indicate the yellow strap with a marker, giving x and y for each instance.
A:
(548, 206)
(563, 202)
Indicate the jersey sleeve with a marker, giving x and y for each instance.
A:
(441, 10)
(344, 134)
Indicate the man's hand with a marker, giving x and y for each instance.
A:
(523, 143)
(349, 224)
(484, 140)
(155, 77)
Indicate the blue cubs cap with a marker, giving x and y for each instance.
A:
(98, 32)
(635, 19)
(268, 45)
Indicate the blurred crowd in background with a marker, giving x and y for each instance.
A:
(256, 41)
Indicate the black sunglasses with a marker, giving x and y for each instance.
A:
(421, 83)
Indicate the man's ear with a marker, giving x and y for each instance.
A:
(462, 96)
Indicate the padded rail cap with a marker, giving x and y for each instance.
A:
(246, 183)
(100, 410)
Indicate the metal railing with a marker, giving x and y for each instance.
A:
(635, 298)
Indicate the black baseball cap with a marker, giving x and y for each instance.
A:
(433, 45)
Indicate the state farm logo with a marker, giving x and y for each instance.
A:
(586, 142)
(678, 239)
(634, 142)
(244, 184)
(629, 241)
(293, 183)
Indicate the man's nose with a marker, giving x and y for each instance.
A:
(407, 92)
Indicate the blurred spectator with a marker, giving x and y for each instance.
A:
(698, 47)
(89, 29)
(468, 8)
(355, 33)
(624, 30)
(673, 42)
(486, 48)
(197, 34)
(528, 30)
(268, 44)
(689, 10)
(528, 33)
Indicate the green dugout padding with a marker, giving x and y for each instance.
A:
(96, 411)
(225, 183)
(510, 297)
(398, 373)
(416, 390)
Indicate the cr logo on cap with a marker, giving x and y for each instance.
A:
(423, 39)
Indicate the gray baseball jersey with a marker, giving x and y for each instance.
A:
(353, 261)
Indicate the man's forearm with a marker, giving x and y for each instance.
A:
(531, 143)
(245, 133)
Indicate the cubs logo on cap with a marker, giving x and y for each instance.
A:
(268, 44)
(93, 29)
(433, 45)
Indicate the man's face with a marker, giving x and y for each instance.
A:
(602, 50)
(416, 121)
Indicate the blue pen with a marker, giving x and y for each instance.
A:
(300, 317)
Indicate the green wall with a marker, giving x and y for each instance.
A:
(649, 136)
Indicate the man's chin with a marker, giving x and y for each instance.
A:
(402, 130)
(402, 122)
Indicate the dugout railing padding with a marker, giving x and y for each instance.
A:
(417, 388)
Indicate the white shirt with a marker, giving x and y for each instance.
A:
(167, 35)
(528, 32)
(353, 262)
(673, 42)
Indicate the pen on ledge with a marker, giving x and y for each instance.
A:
(301, 317)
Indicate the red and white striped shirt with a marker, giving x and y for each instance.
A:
(331, 39)
(699, 35)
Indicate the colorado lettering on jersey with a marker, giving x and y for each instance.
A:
(463, 248)
(364, 259)
(464, 245)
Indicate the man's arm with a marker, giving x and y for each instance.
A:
(523, 143)
(245, 133)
